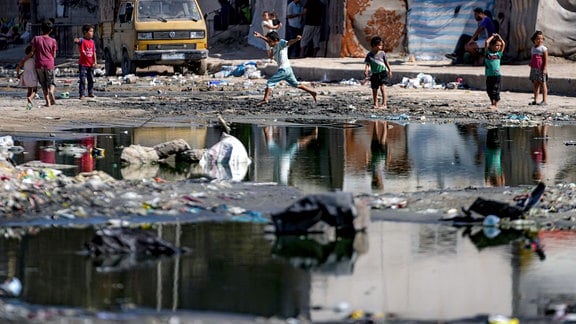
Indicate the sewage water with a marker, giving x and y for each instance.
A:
(402, 270)
(366, 156)
(415, 271)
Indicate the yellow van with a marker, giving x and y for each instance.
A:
(142, 33)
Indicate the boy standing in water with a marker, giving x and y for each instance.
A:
(87, 61)
(494, 50)
(44, 50)
(280, 54)
(377, 63)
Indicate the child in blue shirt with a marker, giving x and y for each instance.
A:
(494, 51)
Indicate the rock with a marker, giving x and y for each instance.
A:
(137, 154)
(166, 149)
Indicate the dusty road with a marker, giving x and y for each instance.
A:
(166, 99)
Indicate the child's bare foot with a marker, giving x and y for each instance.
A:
(262, 103)
(383, 107)
(493, 107)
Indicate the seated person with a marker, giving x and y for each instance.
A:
(14, 36)
(473, 45)
(4, 37)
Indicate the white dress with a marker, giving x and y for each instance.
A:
(29, 79)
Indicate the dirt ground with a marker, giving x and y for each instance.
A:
(169, 102)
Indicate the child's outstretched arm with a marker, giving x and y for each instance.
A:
(295, 40)
(262, 37)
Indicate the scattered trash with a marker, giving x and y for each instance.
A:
(11, 287)
(352, 82)
(501, 319)
(227, 159)
(316, 213)
(97, 152)
(74, 150)
(420, 81)
(118, 249)
(484, 208)
(400, 117)
(514, 117)
(111, 241)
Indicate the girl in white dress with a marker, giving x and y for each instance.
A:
(28, 78)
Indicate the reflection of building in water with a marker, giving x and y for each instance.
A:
(443, 157)
(420, 272)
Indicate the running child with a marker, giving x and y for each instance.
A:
(279, 49)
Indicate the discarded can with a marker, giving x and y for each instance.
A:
(97, 152)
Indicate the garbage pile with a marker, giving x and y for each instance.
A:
(34, 189)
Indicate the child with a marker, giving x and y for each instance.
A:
(280, 53)
(494, 46)
(538, 68)
(87, 61)
(276, 23)
(28, 78)
(267, 26)
(44, 50)
(377, 63)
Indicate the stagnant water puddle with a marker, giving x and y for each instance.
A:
(399, 270)
(366, 156)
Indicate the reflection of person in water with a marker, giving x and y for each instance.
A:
(284, 154)
(538, 150)
(378, 148)
(493, 172)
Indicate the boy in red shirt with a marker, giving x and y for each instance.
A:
(87, 61)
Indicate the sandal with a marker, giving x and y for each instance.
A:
(533, 103)
(29, 106)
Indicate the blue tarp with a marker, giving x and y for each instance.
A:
(434, 26)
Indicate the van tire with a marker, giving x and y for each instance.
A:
(128, 67)
(199, 67)
(109, 65)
